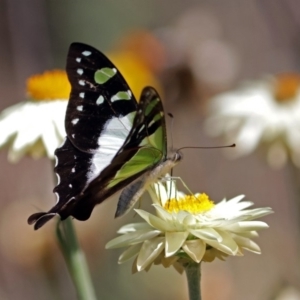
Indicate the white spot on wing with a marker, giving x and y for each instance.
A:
(81, 95)
(56, 160)
(73, 135)
(78, 59)
(79, 107)
(57, 197)
(111, 140)
(73, 170)
(142, 127)
(58, 179)
(81, 82)
(86, 53)
(70, 185)
(75, 121)
(151, 123)
(100, 100)
(79, 71)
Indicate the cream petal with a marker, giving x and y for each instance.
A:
(189, 221)
(174, 241)
(207, 234)
(129, 253)
(247, 226)
(163, 213)
(133, 227)
(182, 215)
(168, 261)
(156, 222)
(227, 245)
(258, 212)
(247, 244)
(171, 189)
(153, 195)
(131, 238)
(161, 193)
(195, 249)
(149, 251)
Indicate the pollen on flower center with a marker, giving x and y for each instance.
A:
(51, 85)
(194, 204)
(286, 87)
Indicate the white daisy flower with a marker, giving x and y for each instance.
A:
(189, 227)
(36, 126)
(263, 113)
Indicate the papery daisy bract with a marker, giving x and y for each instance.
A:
(262, 113)
(36, 126)
(188, 228)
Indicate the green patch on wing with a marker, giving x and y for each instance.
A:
(121, 96)
(144, 158)
(104, 74)
(150, 106)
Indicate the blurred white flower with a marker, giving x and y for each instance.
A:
(188, 227)
(36, 126)
(262, 113)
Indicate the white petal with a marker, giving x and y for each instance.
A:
(129, 253)
(227, 245)
(247, 226)
(174, 241)
(131, 238)
(207, 234)
(149, 251)
(134, 227)
(195, 249)
(163, 213)
(154, 221)
(247, 244)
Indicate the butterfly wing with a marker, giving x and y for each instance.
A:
(144, 148)
(101, 124)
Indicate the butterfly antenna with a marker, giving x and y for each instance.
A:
(212, 147)
(172, 125)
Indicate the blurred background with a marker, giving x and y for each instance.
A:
(192, 50)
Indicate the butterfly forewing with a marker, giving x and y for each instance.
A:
(99, 92)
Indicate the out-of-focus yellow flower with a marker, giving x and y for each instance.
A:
(36, 126)
(262, 113)
(189, 228)
(140, 57)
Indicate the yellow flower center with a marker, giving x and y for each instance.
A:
(51, 85)
(287, 86)
(194, 204)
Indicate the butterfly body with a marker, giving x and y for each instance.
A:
(113, 142)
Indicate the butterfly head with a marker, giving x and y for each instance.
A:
(175, 156)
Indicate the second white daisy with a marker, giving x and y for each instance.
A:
(263, 113)
(189, 227)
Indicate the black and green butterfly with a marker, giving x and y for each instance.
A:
(113, 142)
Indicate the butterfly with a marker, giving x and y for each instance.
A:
(113, 142)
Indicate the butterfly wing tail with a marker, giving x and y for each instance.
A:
(39, 219)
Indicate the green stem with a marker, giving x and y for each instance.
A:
(193, 275)
(75, 260)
